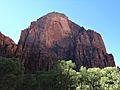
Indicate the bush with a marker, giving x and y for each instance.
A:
(62, 77)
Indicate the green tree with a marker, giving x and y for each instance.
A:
(94, 77)
(47, 80)
(110, 78)
(66, 74)
(27, 82)
(82, 78)
(10, 66)
(10, 72)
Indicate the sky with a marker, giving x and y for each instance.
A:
(102, 16)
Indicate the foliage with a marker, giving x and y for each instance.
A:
(62, 77)
(10, 72)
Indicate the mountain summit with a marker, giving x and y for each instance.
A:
(54, 37)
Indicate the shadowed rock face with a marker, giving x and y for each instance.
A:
(7, 46)
(54, 37)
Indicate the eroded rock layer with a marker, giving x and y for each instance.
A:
(7, 46)
(54, 37)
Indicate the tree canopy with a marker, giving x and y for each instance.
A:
(62, 77)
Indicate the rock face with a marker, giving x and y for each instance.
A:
(7, 46)
(53, 37)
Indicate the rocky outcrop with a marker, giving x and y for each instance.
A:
(53, 37)
(7, 46)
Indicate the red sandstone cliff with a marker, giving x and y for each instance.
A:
(54, 37)
(7, 46)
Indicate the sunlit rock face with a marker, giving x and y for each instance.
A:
(54, 37)
(7, 46)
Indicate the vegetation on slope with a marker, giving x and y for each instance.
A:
(62, 77)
